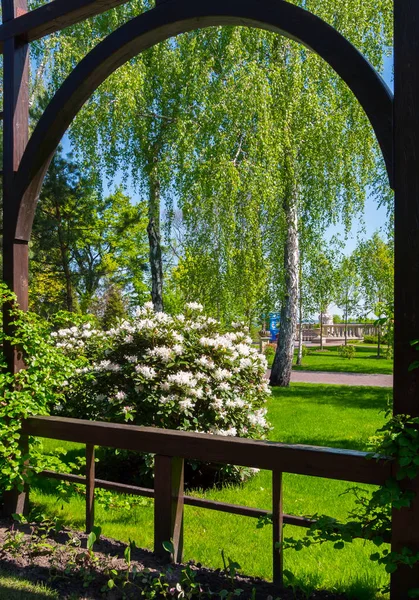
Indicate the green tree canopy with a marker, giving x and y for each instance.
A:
(81, 242)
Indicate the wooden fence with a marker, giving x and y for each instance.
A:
(172, 447)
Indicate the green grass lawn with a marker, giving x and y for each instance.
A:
(364, 361)
(338, 416)
(14, 588)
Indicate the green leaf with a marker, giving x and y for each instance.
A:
(391, 567)
(91, 540)
(169, 547)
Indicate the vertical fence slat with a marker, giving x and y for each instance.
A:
(277, 522)
(168, 506)
(90, 487)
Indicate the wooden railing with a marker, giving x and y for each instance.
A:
(172, 447)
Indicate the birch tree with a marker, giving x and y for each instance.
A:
(375, 263)
(249, 132)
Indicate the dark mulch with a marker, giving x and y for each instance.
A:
(50, 566)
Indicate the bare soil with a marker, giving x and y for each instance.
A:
(86, 578)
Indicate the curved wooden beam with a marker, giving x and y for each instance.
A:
(51, 17)
(172, 18)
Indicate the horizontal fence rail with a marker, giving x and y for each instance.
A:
(133, 490)
(317, 461)
(171, 447)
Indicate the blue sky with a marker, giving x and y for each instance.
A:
(374, 216)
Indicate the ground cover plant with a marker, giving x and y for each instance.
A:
(364, 360)
(338, 416)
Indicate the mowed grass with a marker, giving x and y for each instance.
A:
(15, 588)
(364, 361)
(338, 416)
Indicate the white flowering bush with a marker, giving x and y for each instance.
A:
(177, 372)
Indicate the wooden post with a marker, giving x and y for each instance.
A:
(277, 522)
(168, 506)
(90, 487)
(15, 137)
(405, 527)
(17, 501)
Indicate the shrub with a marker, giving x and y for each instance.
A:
(269, 352)
(32, 391)
(306, 351)
(177, 372)
(373, 339)
(347, 351)
(370, 339)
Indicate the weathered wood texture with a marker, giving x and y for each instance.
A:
(168, 506)
(348, 465)
(52, 17)
(15, 137)
(406, 322)
(90, 487)
(277, 526)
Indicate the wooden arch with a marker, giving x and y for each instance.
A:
(395, 122)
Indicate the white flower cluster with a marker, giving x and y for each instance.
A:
(180, 372)
(75, 338)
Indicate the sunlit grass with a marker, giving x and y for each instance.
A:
(338, 416)
(13, 587)
(364, 361)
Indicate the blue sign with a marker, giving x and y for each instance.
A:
(274, 320)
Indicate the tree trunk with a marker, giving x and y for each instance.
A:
(154, 240)
(300, 318)
(321, 329)
(282, 365)
(346, 324)
(65, 261)
(300, 343)
(379, 341)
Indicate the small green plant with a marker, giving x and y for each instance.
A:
(347, 351)
(14, 542)
(269, 352)
(298, 588)
(231, 569)
(305, 351)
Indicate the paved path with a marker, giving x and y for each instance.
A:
(341, 378)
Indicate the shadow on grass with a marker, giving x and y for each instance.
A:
(16, 585)
(8, 592)
(362, 589)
